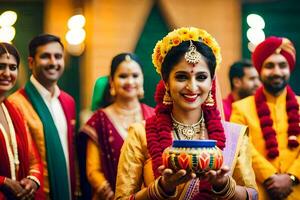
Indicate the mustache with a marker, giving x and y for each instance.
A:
(270, 78)
(52, 67)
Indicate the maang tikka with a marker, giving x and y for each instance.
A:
(5, 49)
(127, 58)
(192, 55)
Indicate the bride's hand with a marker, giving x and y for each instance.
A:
(170, 180)
(218, 178)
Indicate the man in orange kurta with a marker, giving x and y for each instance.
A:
(272, 116)
(50, 116)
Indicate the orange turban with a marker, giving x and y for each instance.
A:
(274, 45)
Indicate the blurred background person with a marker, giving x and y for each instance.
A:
(106, 130)
(21, 167)
(148, 22)
(272, 115)
(244, 81)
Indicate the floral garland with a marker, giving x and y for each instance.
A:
(266, 122)
(176, 37)
(159, 132)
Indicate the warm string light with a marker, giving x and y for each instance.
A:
(7, 31)
(76, 34)
(255, 33)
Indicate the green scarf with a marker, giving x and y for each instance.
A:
(56, 161)
(99, 92)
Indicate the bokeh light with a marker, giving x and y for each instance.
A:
(76, 22)
(255, 21)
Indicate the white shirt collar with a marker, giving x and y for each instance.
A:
(43, 91)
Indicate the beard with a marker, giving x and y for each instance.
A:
(243, 93)
(274, 88)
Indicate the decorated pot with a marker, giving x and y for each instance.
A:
(196, 156)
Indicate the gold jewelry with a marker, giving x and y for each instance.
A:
(167, 100)
(203, 132)
(34, 179)
(192, 55)
(5, 49)
(141, 92)
(127, 58)
(210, 101)
(155, 191)
(127, 117)
(112, 91)
(228, 191)
(188, 131)
(176, 37)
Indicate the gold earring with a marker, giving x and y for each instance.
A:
(112, 91)
(141, 93)
(167, 98)
(210, 101)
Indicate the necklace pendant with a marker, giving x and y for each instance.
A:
(188, 132)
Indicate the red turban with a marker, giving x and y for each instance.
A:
(274, 45)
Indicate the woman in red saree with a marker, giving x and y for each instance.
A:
(186, 109)
(107, 128)
(21, 167)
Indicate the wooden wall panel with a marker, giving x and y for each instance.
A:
(113, 27)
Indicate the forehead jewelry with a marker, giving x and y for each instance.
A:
(5, 49)
(127, 58)
(192, 56)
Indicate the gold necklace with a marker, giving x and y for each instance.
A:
(188, 131)
(127, 117)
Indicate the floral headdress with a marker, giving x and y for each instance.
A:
(159, 126)
(180, 35)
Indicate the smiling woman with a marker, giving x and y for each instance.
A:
(186, 109)
(21, 168)
(104, 133)
(8, 70)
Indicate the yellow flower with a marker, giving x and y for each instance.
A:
(182, 31)
(176, 37)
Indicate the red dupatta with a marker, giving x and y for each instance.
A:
(22, 143)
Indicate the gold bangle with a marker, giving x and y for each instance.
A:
(34, 179)
(231, 191)
(155, 191)
(163, 193)
(224, 190)
(150, 192)
(228, 191)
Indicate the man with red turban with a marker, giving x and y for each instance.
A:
(272, 115)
